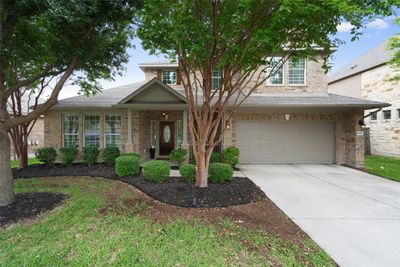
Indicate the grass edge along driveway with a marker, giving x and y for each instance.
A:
(387, 167)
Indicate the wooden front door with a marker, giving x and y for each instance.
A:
(167, 137)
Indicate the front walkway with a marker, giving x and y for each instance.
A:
(352, 215)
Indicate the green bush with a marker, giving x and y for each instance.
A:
(215, 157)
(67, 155)
(220, 172)
(156, 170)
(230, 155)
(178, 154)
(90, 155)
(110, 154)
(127, 166)
(47, 155)
(188, 171)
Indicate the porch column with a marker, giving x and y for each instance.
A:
(185, 125)
(129, 127)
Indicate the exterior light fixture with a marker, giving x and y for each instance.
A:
(287, 116)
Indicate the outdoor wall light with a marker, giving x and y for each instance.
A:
(228, 125)
(287, 116)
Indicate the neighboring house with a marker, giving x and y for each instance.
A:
(36, 136)
(369, 77)
(290, 119)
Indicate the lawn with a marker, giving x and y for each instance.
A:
(387, 167)
(110, 223)
(14, 163)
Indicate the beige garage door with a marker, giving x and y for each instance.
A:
(286, 142)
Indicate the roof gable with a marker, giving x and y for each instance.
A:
(154, 92)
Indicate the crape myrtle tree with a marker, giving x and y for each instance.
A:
(51, 43)
(239, 37)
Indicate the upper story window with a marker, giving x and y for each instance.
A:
(387, 114)
(91, 130)
(112, 130)
(169, 77)
(70, 130)
(374, 116)
(216, 79)
(297, 72)
(276, 71)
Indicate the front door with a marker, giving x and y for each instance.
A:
(167, 137)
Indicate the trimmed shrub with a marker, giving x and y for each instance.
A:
(178, 154)
(110, 154)
(127, 166)
(47, 155)
(90, 155)
(230, 155)
(215, 157)
(156, 170)
(67, 155)
(220, 172)
(188, 171)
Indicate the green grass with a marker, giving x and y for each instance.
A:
(14, 163)
(85, 231)
(387, 167)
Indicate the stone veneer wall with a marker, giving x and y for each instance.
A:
(385, 134)
(349, 145)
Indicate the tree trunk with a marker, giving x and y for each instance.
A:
(23, 156)
(202, 169)
(6, 180)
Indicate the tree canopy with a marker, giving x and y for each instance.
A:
(47, 43)
(394, 43)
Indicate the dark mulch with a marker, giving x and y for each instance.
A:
(175, 191)
(29, 205)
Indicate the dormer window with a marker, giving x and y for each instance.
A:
(216, 79)
(169, 77)
(297, 71)
(275, 71)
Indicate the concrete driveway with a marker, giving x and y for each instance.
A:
(353, 216)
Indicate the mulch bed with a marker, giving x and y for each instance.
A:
(175, 191)
(29, 205)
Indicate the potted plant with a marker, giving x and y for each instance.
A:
(152, 150)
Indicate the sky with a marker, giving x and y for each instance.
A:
(374, 33)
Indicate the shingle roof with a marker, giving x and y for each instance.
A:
(110, 97)
(310, 100)
(105, 98)
(374, 57)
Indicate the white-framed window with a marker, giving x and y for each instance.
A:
(70, 130)
(297, 71)
(216, 79)
(112, 130)
(169, 77)
(154, 133)
(91, 130)
(276, 71)
(387, 114)
(179, 133)
(374, 116)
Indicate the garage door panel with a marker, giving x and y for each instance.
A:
(286, 142)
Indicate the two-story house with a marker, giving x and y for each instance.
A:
(370, 77)
(290, 119)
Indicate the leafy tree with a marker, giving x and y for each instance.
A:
(239, 37)
(52, 42)
(394, 43)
